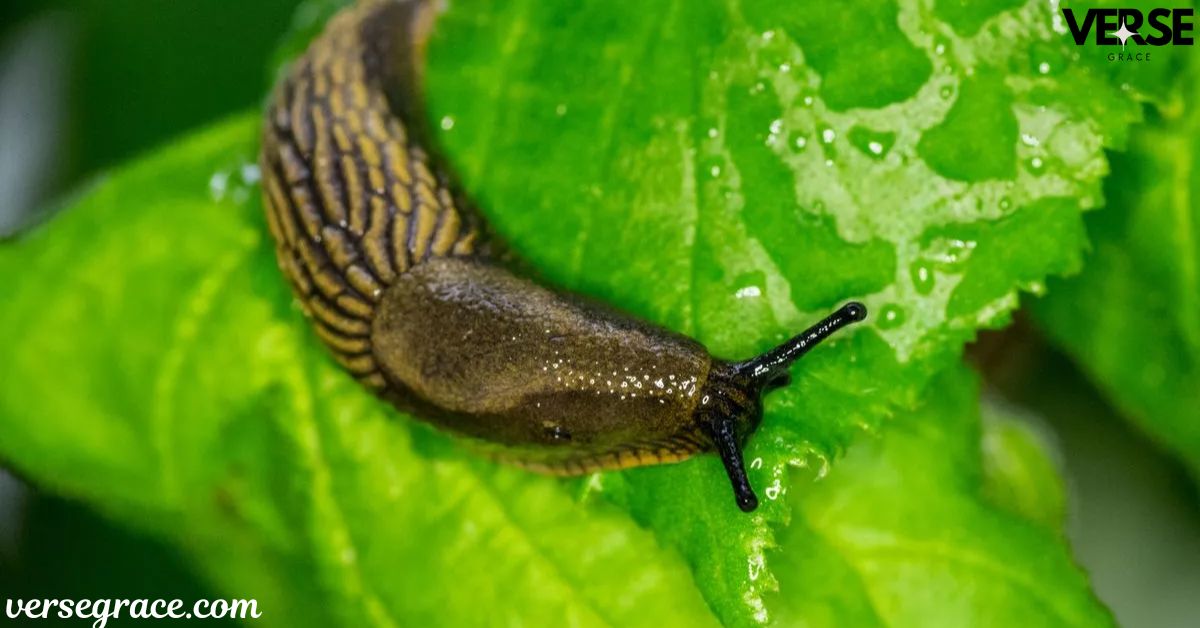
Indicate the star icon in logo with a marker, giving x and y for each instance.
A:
(1123, 34)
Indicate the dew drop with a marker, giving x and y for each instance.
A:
(874, 144)
(250, 173)
(891, 316)
(949, 254)
(773, 131)
(712, 166)
(447, 123)
(922, 277)
(1005, 203)
(218, 184)
(940, 45)
(1045, 57)
(749, 292)
(946, 92)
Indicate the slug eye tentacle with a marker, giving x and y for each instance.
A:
(733, 395)
(771, 368)
(723, 433)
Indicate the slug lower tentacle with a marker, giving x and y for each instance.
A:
(400, 280)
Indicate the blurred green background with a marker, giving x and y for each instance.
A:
(86, 84)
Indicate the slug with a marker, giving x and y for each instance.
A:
(400, 279)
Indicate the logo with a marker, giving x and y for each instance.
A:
(1122, 27)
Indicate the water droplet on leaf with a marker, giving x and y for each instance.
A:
(922, 277)
(891, 316)
(874, 144)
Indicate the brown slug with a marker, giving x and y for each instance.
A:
(399, 279)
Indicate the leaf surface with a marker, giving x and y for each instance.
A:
(735, 169)
(1132, 319)
(730, 170)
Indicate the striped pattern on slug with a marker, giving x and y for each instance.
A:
(352, 199)
(398, 279)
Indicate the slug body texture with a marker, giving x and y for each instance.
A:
(400, 281)
(512, 362)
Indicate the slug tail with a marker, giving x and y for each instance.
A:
(352, 197)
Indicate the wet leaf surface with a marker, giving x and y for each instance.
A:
(730, 170)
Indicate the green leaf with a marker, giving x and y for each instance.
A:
(900, 534)
(728, 170)
(1132, 319)
(1022, 472)
(158, 371)
(735, 169)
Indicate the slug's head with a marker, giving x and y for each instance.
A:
(730, 406)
